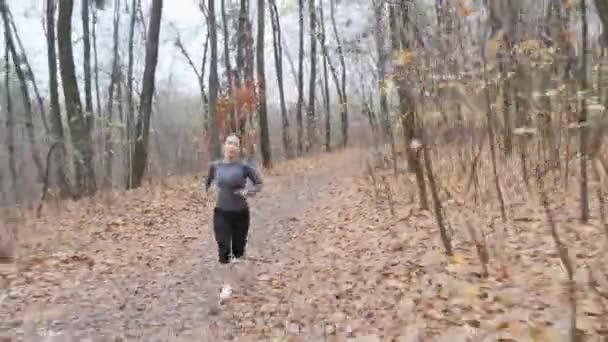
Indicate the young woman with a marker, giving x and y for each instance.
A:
(231, 212)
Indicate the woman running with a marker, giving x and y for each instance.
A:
(231, 212)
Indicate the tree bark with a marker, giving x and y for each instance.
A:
(142, 129)
(84, 170)
(262, 109)
(584, 191)
(344, 99)
(88, 95)
(10, 125)
(114, 80)
(215, 149)
(231, 115)
(311, 118)
(130, 105)
(29, 117)
(30, 73)
(300, 103)
(407, 106)
(326, 99)
(278, 59)
(56, 126)
(96, 62)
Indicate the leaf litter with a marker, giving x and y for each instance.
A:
(339, 268)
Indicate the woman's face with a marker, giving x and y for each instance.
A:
(231, 147)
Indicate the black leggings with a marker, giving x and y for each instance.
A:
(230, 228)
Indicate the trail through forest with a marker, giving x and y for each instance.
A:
(144, 263)
(328, 261)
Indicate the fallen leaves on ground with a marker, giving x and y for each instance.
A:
(329, 262)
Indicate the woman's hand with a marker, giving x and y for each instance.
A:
(244, 192)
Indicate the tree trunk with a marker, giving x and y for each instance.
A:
(30, 72)
(85, 172)
(29, 117)
(584, 192)
(10, 125)
(406, 102)
(263, 111)
(278, 60)
(96, 62)
(239, 75)
(344, 97)
(114, 80)
(215, 151)
(300, 103)
(311, 119)
(56, 126)
(142, 129)
(88, 107)
(326, 99)
(231, 115)
(130, 105)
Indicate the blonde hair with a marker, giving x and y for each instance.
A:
(233, 135)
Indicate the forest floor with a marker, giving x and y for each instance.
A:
(327, 261)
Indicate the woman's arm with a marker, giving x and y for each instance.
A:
(210, 176)
(255, 178)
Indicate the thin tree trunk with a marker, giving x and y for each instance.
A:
(130, 105)
(311, 119)
(114, 80)
(300, 103)
(215, 151)
(278, 59)
(584, 191)
(88, 106)
(231, 115)
(57, 135)
(10, 123)
(85, 172)
(30, 72)
(263, 111)
(407, 105)
(140, 150)
(326, 99)
(501, 200)
(29, 117)
(241, 37)
(96, 62)
(344, 99)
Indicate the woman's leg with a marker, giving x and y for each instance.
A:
(223, 234)
(239, 233)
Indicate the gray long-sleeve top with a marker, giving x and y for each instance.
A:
(230, 177)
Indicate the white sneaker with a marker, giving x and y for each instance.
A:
(226, 292)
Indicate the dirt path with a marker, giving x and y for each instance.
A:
(146, 268)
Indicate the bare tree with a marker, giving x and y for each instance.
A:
(10, 123)
(262, 110)
(278, 59)
(56, 129)
(130, 105)
(215, 149)
(344, 97)
(142, 128)
(85, 172)
(311, 119)
(300, 103)
(231, 115)
(584, 187)
(88, 93)
(325, 91)
(25, 95)
(114, 81)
